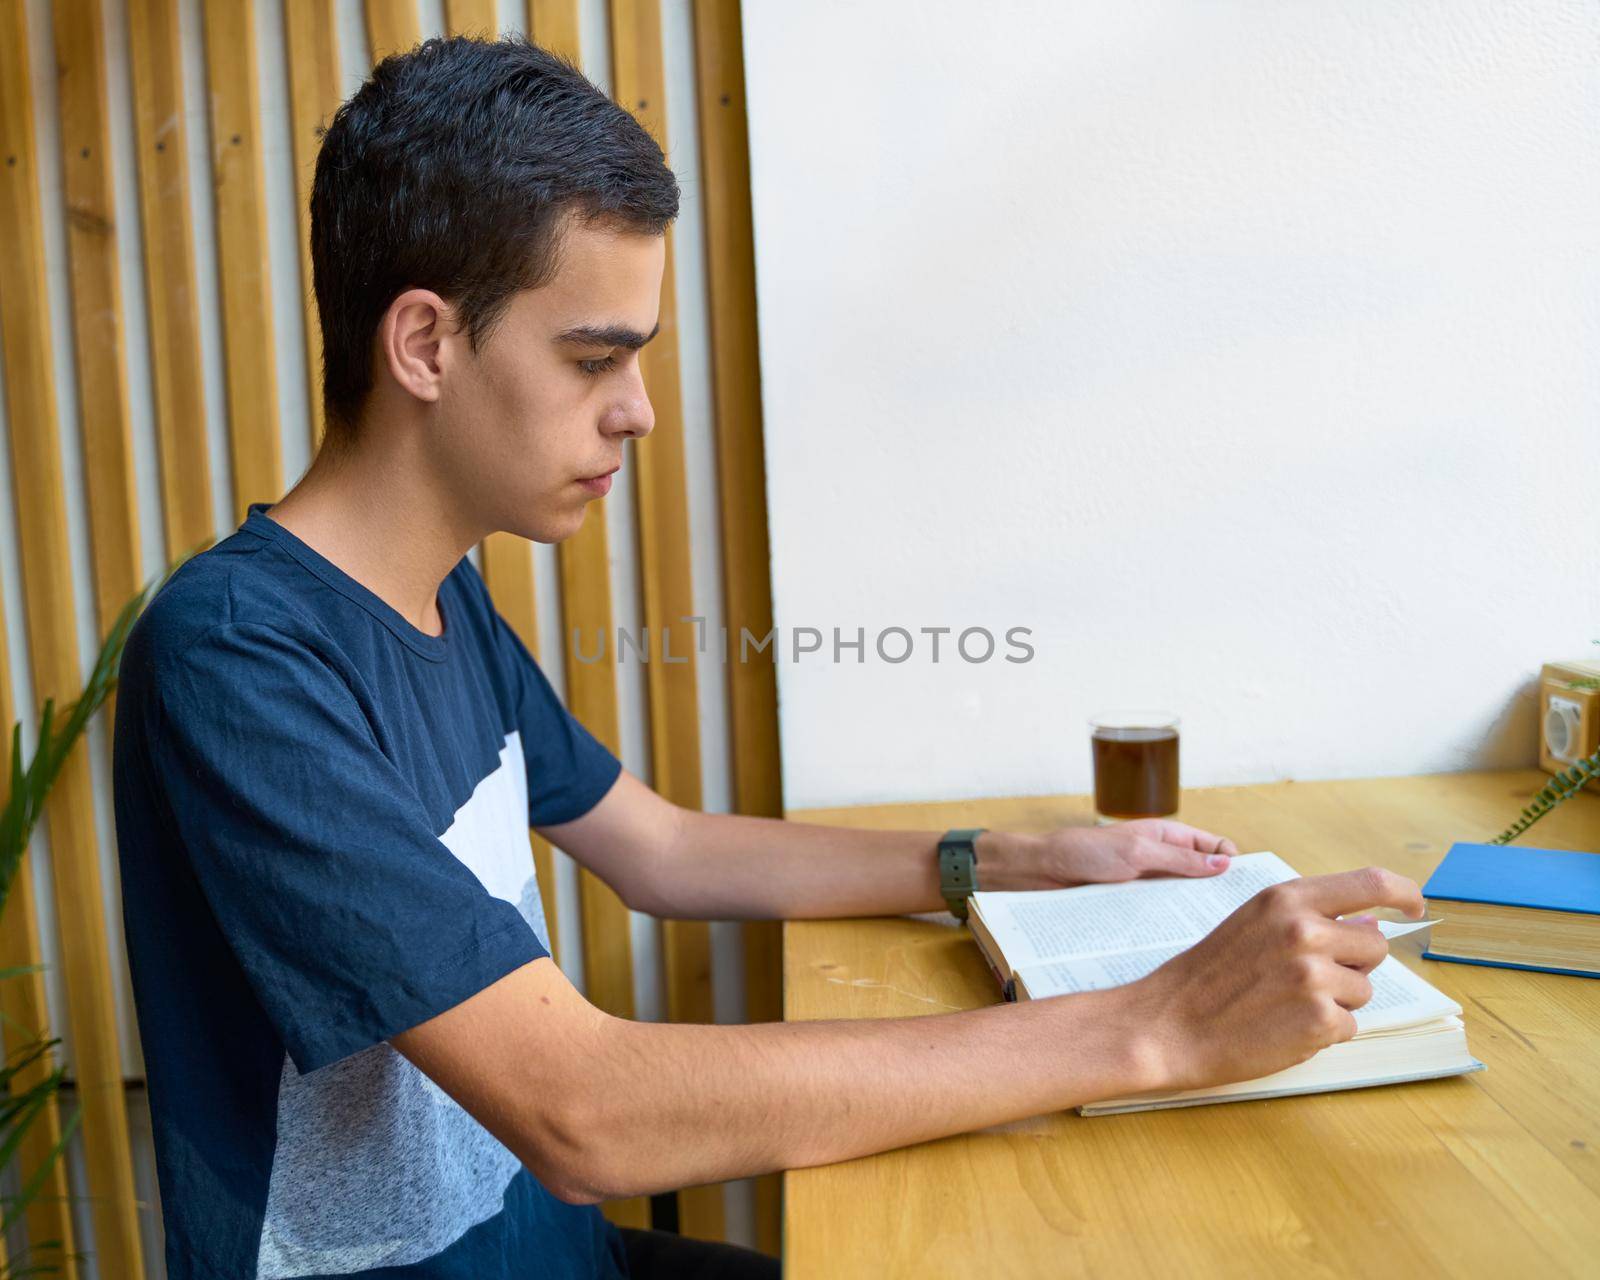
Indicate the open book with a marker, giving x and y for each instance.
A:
(1060, 941)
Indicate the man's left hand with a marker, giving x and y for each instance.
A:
(1130, 850)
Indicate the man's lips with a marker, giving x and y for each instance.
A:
(600, 485)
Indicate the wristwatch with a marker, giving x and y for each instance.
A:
(958, 867)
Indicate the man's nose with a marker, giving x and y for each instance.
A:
(634, 417)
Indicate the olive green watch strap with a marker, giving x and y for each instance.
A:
(958, 868)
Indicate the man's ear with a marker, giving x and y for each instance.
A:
(411, 339)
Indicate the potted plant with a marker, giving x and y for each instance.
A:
(30, 1075)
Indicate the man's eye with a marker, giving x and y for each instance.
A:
(594, 368)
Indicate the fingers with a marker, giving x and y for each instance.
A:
(1361, 947)
(1348, 891)
(1184, 836)
(1345, 987)
(1343, 1024)
(1171, 859)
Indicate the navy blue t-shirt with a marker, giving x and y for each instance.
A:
(322, 819)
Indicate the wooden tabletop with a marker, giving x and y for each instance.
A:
(1492, 1174)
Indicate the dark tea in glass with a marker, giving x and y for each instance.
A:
(1135, 764)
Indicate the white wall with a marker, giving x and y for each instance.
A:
(1246, 352)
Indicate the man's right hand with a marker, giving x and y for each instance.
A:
(1273, 984)
(600, 1107)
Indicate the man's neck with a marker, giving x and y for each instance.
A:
(383, 521)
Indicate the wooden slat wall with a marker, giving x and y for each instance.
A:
(471, 18)
(103, 410)
(554, 24)
(171, 305)
(36, 472)
(311, 42)
(392, 26)
(741, 486)
(239, 186)
(174, 311)
(508, 573)
(741, 480)
(661, 491)
(592, 697)
(92, 247)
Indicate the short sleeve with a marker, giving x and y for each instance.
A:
(569, 769)
(351, 920)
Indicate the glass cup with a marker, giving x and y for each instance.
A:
(1135, 764)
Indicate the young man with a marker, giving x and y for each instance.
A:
(330, 748)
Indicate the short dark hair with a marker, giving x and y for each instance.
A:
(454, 168)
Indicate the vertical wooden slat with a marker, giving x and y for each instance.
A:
(661, 488)
(312, 46)
(53, 646)
(661, 485)
(392, 27)
(92, 243)
(23, 1012)
(508, 573)
(741, 471)
(239, 188)
(553, 24)
(171, 306)
(471, 18)
(96, 305)
(585, 566)
(592, 697)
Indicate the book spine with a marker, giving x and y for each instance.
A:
(1507, 964)
(1008, 987)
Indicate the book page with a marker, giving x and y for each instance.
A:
(1399, 997)
(1034, 927)
(1093, 973)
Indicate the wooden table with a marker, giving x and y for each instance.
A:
(1493, 1174)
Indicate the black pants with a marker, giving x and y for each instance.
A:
(664, 1255)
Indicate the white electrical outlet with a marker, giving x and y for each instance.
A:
(1563, 720)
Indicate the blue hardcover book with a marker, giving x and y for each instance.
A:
(1517, 908)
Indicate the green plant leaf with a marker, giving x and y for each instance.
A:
(15, 1127)
(1566, 784)
(52, 1248)
(31, 781)
(16, 1205)
(21, 1108)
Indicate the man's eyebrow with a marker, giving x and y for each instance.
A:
(608, 335)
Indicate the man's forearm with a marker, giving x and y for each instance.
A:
(679, 863)
(600, 1107)
(724, 866)
(726, 1102)
(676, 862)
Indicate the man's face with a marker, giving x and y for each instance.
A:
(532, 424)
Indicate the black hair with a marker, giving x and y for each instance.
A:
(454, 168)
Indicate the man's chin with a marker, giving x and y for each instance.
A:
(550, 527)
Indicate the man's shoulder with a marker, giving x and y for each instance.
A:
(239, 583)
